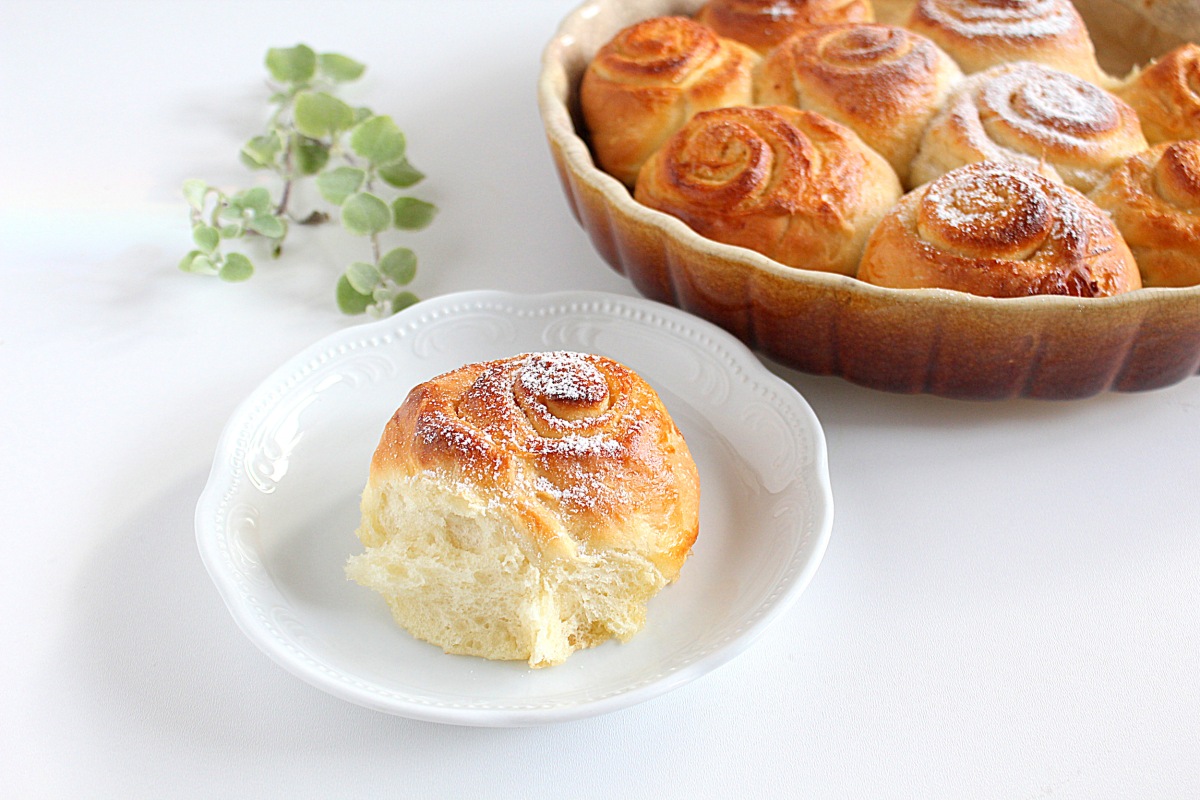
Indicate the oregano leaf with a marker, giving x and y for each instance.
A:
(336, 185)
(206, 237)
(399, 264)
(310, 127)
(378, 139)
(349, 300)
(338, 67)
(401, 174)
(257, 199)
(188, 260)
(268, 225)
(363, 277)
(292, 64)
(320, 114)
(364, 214)
(261, 151)
(194, 191)
(202, 265)
(412, 214)
(309, 155)
(403, 301)
(237, 267)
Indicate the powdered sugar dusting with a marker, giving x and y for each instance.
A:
(499, 430)
(1008, 19)
(562, 376)
(987, 208)
(1050, 105)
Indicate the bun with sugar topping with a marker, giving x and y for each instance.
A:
(1042, 118)
(999, 230)
(525, 508)
(979, 34)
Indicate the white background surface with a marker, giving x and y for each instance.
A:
(1008, 607)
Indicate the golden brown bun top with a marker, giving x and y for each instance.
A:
(771, 159)
(790, 184)
(762, 24)
(982, 33)
(656, 52)
(1177, 174)
(649, 79)
(1064, 112)
(882, 81)
(1000, 230)
(577, 446)
(1166, 95)
(1043, 118)
(883, 67)
(1154, 198)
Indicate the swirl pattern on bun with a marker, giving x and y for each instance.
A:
(1154, 199)
(1166, 95)
(883, 82)
(650, 79)
(1030, 114)
(527, 507)
(762, 24)
(789, 184)
(999, 230)
(979, 34)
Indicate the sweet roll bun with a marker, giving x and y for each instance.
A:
(1045, 119)
(883, 82)
(650, 79)
(1154, 199)
(790, 184)
(762, 24)
(528, 507)
(999, 230)
(1166, 95)
(979, 34)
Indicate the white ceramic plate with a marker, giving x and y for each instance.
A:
(276, 521)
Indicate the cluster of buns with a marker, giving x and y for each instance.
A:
(974, 145)
(525, 508)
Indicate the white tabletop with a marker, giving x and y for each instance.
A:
(1008, 607)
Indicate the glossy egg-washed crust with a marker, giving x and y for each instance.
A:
(979, 35)
(576, 448)
(881, 81)
(762, 24)
(999, 230)
(1044, 118)
(790, 184)
(903, 340)
(653, 77)
(1154, 199)
(1166, 95)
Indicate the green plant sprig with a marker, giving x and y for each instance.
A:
(356, 159)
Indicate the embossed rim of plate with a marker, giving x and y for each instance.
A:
(218, 503)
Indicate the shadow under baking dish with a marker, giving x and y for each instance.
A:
(276, 522)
